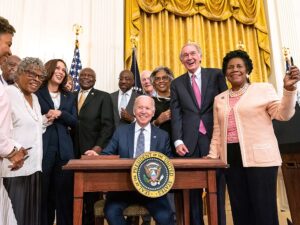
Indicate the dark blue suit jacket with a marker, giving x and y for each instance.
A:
(186, 114)
(122, 142)
(67, 119)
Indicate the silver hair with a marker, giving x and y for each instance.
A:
(199, 50)
(144, 96)
(167, 70)
(31, 62)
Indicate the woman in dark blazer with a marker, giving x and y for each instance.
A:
(59, 107)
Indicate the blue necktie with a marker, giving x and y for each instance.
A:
(140, 146)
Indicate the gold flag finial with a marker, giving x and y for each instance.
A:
(77, 29)
(134, 40)
(240, 46)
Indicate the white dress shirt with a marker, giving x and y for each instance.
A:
(147, 134)
(27, 130)
(128, 96)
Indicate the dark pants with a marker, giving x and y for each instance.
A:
(57, 188)
(25, 195)
(196, 204)
(116, 202)
(252, 191)
(89, 199)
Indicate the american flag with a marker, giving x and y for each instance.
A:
(135, 70)
(76, 66)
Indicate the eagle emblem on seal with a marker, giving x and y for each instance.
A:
(153, 174)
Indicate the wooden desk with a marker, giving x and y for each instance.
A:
(114, 175)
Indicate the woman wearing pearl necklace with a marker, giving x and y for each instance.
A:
(24, 185)
(244, 138)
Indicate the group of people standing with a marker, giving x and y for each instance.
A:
(44, 125)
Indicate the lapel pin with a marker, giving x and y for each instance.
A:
(154, 136)
(92, 93)
(222, 97)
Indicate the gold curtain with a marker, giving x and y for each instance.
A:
(162, 27)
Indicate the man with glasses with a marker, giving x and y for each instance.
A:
(9, 68)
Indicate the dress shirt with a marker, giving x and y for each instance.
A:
(55, 99)
(128, 96)
(27, 130)
(197, 78)
(83, 92)
(147, 134)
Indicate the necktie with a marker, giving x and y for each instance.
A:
(81, 100)
(123, 102)
(140, 146)
(198, 98)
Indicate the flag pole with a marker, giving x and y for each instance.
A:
(76, 65)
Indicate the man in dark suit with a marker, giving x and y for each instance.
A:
(192, 97)
(95, 127)
(125, 142)
(123, 99)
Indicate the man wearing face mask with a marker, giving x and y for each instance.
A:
(9, 68)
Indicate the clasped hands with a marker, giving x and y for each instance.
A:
(52, 115)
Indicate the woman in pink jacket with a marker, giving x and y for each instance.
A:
(244, 138)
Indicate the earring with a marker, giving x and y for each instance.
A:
(248, 76)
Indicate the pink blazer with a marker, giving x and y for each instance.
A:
(253, 115)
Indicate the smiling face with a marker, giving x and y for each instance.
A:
(5, 43)
(59, 73)
(87, 78)
(236, 73)
(30, 80)
(191, 58)
(144, 109)
(126, 80)
(9, 68)
(161, 82)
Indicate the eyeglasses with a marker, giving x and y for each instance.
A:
(164, 78)
(33, 75)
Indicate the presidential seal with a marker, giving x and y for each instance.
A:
(152, 174)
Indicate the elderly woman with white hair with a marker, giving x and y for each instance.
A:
(24, 185)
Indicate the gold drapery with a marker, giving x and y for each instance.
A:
(164, 26)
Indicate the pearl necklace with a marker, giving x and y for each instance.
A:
(32, 111)
(239, 92)
(54, 94)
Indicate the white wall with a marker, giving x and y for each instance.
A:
(44, 30)
(284, 28)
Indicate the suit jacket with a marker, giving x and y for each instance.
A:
(122, 142)
(186, 114)
(129, 107)
(95, 122)
(61, 125)
(253, 115)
